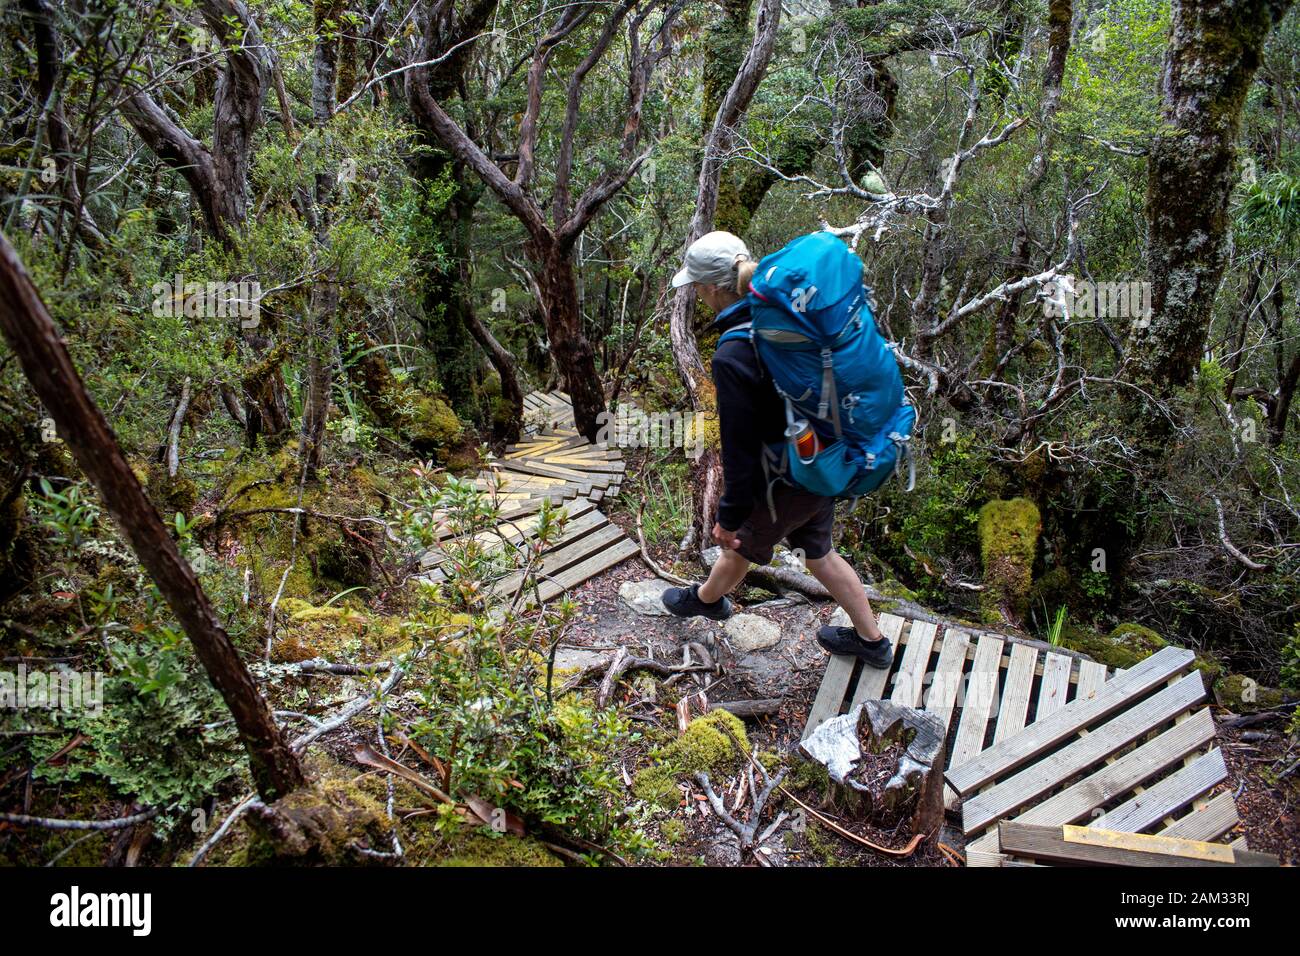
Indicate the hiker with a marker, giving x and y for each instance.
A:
(751, 517)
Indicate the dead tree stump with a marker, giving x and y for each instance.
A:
(891, 756)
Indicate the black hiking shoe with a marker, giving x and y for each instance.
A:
(845, 640)
(685, 602)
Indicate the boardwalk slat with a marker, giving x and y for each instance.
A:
(1014, 709)
(831, 693)
(909, 682)
(564, 557)
(1035, 780)
(942, 697)
(1091, 676)
(981, 694)
(1094, 847)
(1041, 735)
(1055, 686)
(1168, 796)
(1217, 817)
(620, 550)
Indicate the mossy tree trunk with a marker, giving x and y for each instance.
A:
(1214, 51)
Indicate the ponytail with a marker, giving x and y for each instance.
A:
(744, 272)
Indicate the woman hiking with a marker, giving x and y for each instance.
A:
(750, 414)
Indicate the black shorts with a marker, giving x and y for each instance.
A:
(803, 519)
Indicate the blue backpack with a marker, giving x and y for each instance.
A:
(812, 328)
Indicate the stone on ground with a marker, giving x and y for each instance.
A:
(749, 632)
(645, 597)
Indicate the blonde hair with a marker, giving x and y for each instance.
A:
(744, 273)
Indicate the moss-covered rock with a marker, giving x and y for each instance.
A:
(1245, 696)
(1008, 532)
(1128, 644)
(170, 493)
(704, 747)
(431, 426)
(503, 850)
(325, 823)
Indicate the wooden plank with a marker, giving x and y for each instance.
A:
(1074, 758)
(981, 692)
(544, 473)
(602, 465)
(513, 530)
(1167, 796)
(1209, 822)
(830, 695)
(1147, 843)
(621, 550)
(1033, 740)
(909, 682)
(562, 558)
(942, 698)
(1050, 843)
(1091, 676)
(873, 680)
(1054, 688)
(1013, 711)
(1133, 769)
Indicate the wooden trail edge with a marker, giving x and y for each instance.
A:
(30, 332)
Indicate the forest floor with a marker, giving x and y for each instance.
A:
(791, 670)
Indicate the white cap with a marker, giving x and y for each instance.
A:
(712, 259)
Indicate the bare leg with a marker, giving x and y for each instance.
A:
(838, 576)
(725, 575)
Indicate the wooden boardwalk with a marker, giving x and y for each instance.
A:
(552, 463)
(1041, 738)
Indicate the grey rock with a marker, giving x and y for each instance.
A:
(645, 597)
(749, 633)
(577, 658)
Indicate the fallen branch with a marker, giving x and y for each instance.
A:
(1231, 548)
(623, 662)
(49, 823)
(343, 670)
(745, 832)
(174, 430)
(776, 580)
(751, 708)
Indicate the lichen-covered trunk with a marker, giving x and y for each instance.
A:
(573, 353)
(1214, 51)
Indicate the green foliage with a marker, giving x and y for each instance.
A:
(489, 707)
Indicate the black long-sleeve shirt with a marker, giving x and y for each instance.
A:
(750, 414)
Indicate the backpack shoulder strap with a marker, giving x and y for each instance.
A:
(735, 334)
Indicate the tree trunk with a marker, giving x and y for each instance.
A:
(1214, 50)
(504, 363)
(573, 353)
(31, 333)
